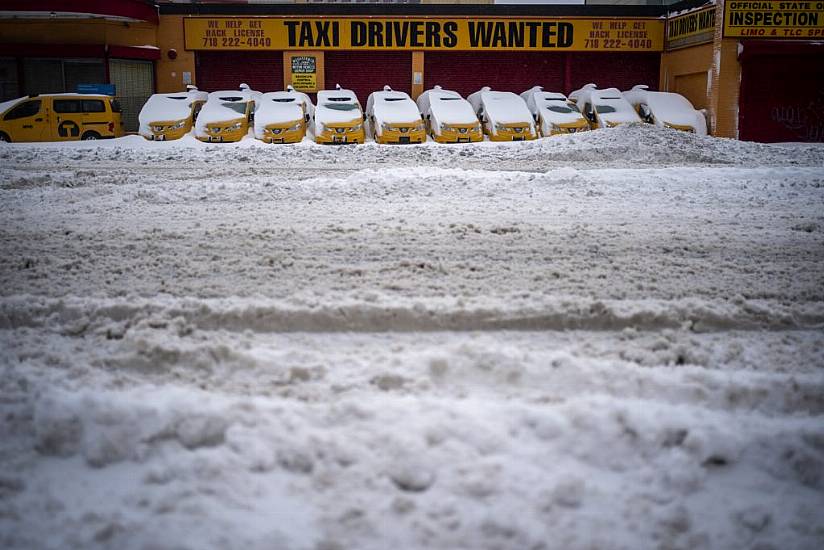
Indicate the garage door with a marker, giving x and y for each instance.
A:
(781, 93)
(468, 72)
(614, 70)
(134, 83)
(365, 72)
(263, 71)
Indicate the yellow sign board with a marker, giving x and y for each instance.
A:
(302, 70)
(406, 33)
(774, 19)
(692, 28)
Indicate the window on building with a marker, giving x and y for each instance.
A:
(8, 79)
(49, 76)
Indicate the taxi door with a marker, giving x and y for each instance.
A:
(66, 119)
(95, 118)
(27, 121)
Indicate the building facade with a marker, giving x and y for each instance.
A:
(756, 67)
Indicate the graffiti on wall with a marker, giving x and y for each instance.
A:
(805, 119)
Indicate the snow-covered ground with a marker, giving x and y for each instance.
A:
(606, 340)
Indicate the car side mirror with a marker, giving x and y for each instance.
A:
(364, 117)
(306, 118)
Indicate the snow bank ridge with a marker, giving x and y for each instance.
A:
(374, 313)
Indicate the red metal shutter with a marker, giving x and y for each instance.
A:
(366, 72)
(263, 71)
(614, 70)
(781, 95)
(468, 72)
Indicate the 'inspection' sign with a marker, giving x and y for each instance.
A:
(774, 19)
(408, 33)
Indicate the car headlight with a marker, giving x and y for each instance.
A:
(478, 127)
(386, 127)
(319, 127)
(179, 124)
(356, 128)
(499, 126)
(445, 127)
(236, 126)
(420, 126)
(293, 127)
(555, 128)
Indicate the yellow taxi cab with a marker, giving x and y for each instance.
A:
(449, 117)
(282, 117)
(166, 117)
(554, 114)
(503, 115)
(338, 117)
(60, 117)
(394, 117)
(226, 116)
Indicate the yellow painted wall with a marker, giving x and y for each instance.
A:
(725, 80)
(686, 71)
(94, 31)
(170, 72)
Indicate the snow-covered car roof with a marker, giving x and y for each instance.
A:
(337, 106)
(225, 105)
(169, 107)
(609, 102)
(447, 106)
(501, 107)
(611, 105)
(669, 107)
(586, 89)
(392, 106)
(554, 106)
(286, 106)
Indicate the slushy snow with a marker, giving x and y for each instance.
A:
(604, 340)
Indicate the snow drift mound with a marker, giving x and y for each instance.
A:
(627, 145)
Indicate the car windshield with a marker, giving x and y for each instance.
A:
(179, 98)
(284, 100)
(393, 99)
(450, 98)
(239, 108)
(341, 106)
(605, 109)
(559, 108)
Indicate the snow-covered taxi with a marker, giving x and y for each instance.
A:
(394, 118)
(282, 117)
(666, 109)
(553, 113)
(449, 117)
(226, 115)
(339, 117)
(503, 115)
(165, 117)
(603, 108)
(60, 117)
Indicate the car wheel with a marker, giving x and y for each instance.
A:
(5, 137)
(88, 136)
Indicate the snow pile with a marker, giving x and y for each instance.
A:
(605, 340)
